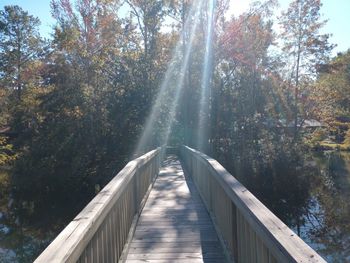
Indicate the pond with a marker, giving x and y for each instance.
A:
(315, 204)
(309, 192)
(21, 247)
(325, 224)
(18, 244)
(312, 199)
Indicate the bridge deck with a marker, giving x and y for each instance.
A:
(174, 225)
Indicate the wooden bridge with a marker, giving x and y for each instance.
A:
(171, 211)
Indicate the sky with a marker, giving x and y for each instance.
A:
(336, 11)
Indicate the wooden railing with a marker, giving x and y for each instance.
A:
(249, 231)
(101, 229)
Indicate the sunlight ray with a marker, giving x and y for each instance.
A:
(205, 81)
(146, 136)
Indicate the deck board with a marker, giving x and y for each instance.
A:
(174, 225)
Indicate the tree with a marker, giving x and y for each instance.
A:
(150, 15)
(92, 113)
(245, 111)
(20, 44)
(303, 45)
(241, 94)
(59, 161)
(21, 67)
(331, 96)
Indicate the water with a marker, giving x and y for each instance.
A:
(312, 199)
(19, 244)
(20, 247)
(326, 221)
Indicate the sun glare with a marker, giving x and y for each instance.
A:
(237, 7)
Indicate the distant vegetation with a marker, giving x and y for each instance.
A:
(73, 107)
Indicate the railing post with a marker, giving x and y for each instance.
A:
(136, 189)
(234, 249)
(210, 192)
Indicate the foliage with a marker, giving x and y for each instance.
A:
(306, 50)
(7, 154)
(301, 24)
(20, 45)
(331, 95)
(82, 108)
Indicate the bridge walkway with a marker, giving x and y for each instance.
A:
(174, 225)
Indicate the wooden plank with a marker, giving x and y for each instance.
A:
(205, 235)
(176, 211)
(192, 260)
(176, 225)
(176, 244)
(184, 249)
(175, 239)
(178, 221)
(178, 216)
(181, 201)
(171, 256)
(186, 227)
(174, 220)
(194, 229)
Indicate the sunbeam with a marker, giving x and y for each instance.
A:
(202, 133)
(146, 137)
(184, 65)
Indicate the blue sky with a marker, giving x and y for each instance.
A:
(336, 11)
(338, 14)
(38, 8)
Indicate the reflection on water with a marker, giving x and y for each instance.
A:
(18, 244)
(312, 197)
(326, 224)
(22, 248)
(310, 193)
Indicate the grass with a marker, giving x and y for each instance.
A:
(325, 145)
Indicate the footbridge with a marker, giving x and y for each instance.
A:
(176, 208)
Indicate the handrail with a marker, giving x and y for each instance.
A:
(99, 232)
(251, 232)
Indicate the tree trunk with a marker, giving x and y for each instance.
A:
(296, 90)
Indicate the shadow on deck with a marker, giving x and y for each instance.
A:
(174, 225)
